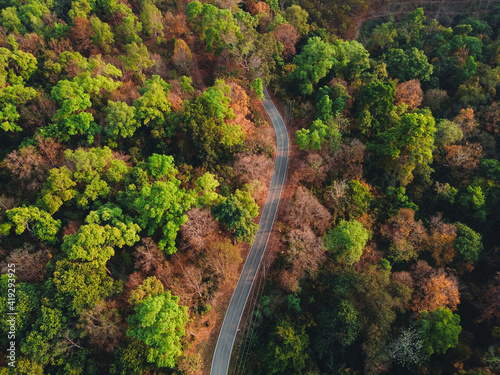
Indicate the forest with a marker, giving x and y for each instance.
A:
(136, 157)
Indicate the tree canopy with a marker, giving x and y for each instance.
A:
(159, 322)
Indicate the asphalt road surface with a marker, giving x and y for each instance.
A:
(222, 355)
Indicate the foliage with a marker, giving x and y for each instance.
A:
(151, 18)
(374, 104)
(182, 57)
(318, 134)
(407, 65)
(398, 135)
(94, 242)
(37, 222)
(121, 120)
(297, 17)
(27, 299)
(94, 172)
(217, 27)
(205, 120)
(206, 185)
(314, 63)
(162, 204)
(159, 322)
(39, 343)
(408, 145)
(468, 243)
(258, 87)
(338, 325)
(136, 57)
(150, 287)
(347, 241)
(287, 349)
(74, 98)
(439, 330)
(236, 213)
(153, 105)
(406, 235)
(80, 286)
(10, 98)
(447, 133)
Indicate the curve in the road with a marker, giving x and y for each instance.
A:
(227, 335)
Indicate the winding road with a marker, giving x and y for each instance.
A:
(227, 335)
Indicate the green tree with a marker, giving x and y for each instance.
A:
(356, 61)
(161, 204)
(57, 189)
(347, 241)
(10, 98)
(94, 242)
(153, 105)
(337, 324)
(150, 287)
(129, 29)
(159, 323)
(186, 84)
(37, 222)
(205, 120)
(374, 105)
(80, 9)
(130, 358)
(473, 200)
(258, 87)
(318, 134)
(137, 57)
(217, 27)
(313, 63)
(411, 28)
(151, 19)
(162, 167)
(324, 109)
(42, 344)
(103, 36)
(407, 145)
(287, 349)
(382, 37)
(297, 17)
(407, 65)
(26, 305)
(88, 164)
(447, 133)
(236, 213)
(377, 299)
(71, 118)
(10, 20)
(32, 14)
(359, 198)
(121, 120)
(205, 188)
(80, 285)
(439, 330)
(16, 66)
(94, 172)
(74, 98)
(491, 168)
(468, 243)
